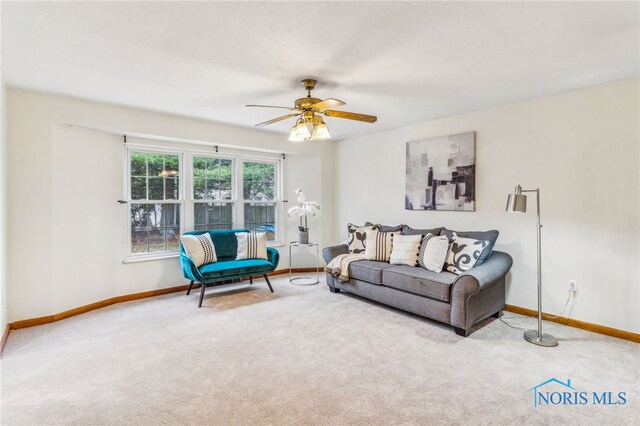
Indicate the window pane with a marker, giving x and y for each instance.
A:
(259, 218)
(159, 172)
(156, 188)
(213, 216)
(259, 181)
(156, 164)
(172, 186)
(138, 164)
(212, 179)
(155, 228)
(138, 188)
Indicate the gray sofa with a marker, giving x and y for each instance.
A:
(458, 300)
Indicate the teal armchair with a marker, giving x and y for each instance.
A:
(227, 267)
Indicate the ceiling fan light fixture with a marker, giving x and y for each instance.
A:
(320, 131)
(299, 132)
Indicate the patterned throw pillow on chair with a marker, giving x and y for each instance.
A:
(199, 248)
(251, 245)
(357, 237)
(379, 245)
(464, 253)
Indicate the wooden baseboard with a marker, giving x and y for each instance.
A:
(596, 328)
(5, 336)
(118, 299)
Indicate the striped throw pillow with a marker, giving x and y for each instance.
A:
(433, 252)
(379, 245)
(405, 249)
(199, 248)
(251, 245)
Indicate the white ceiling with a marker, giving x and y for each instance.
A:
(404, 62)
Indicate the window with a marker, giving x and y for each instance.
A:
(154, 200)
(222, 192)
(212, 193)
(259, 196)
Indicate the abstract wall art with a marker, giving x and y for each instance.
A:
(441, 173)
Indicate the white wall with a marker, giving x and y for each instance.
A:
(580, 148)
(3, 209)
(68, 240)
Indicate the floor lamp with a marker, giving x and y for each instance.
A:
(517, 203)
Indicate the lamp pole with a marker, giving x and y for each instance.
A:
(539, 338)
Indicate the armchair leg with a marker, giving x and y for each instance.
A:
(334, 290)
(268, 282)
(497, 314)
(203, 286)
(190, 287)
(250, 280)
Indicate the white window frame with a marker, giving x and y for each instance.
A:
(278, 216)
(187, 201)
(130, 256)
(234, 187)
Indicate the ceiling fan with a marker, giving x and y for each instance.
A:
(310, 125)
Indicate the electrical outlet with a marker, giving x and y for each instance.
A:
(573, 286)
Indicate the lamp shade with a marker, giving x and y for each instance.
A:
(299, 133)
(516, 202)
(320, 132)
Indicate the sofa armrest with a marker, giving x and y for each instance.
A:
(328, 253)
(273, 256)
(189, 269)
(493, 269)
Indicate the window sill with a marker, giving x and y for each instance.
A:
(145, 258)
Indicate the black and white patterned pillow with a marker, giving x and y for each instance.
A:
(199, 248)
(357, 237)
(464, 253)
(433, 252)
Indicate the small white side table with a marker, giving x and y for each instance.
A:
(305, 280)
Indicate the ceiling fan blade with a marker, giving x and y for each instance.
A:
(351, 116)
(327, 103)
(275, 120)
(271, 106)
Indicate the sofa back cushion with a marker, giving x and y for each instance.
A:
(491, 236)
(385, 228)
(407, 230)
(224, 241)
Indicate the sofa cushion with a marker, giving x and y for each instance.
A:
(385, 228)
(407, 230)
(490, 236)
(368, 270)
(420, 281)
(235, 268)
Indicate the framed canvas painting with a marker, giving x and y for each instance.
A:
(440, 173)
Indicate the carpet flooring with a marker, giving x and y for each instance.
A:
(301, 355)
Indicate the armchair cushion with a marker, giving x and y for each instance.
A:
(212, 271)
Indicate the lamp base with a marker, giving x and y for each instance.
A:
(547, 340)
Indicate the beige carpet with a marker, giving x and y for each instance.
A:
(299, 356)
